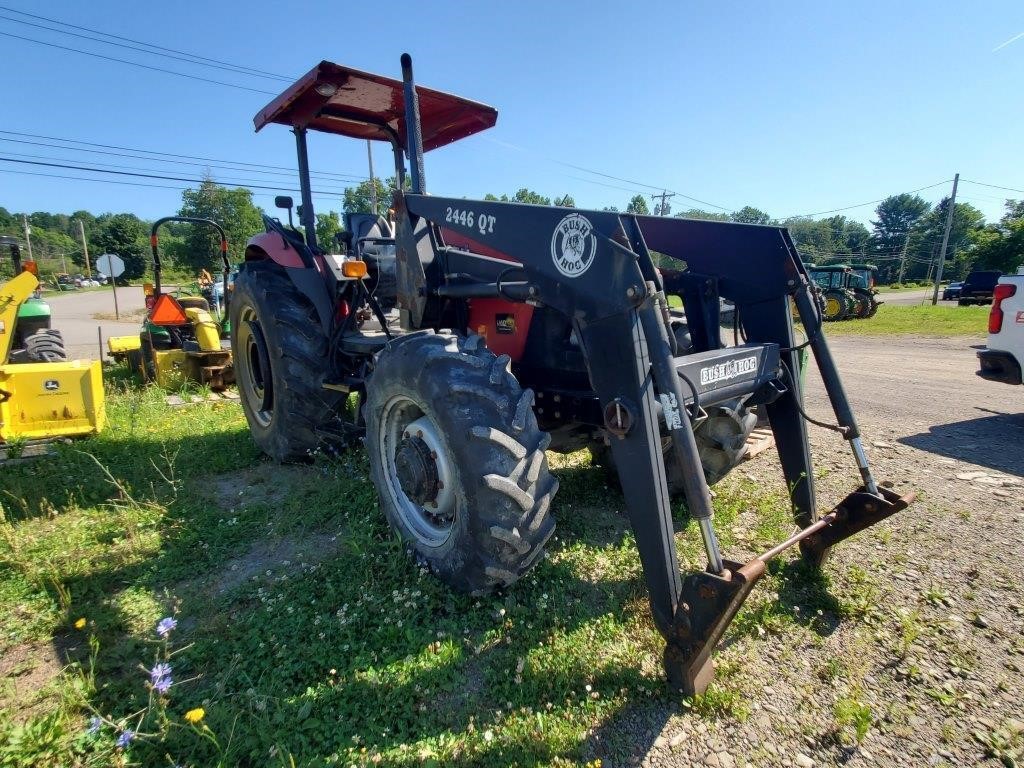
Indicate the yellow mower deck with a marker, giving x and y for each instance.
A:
(42, 400)
(39, 400)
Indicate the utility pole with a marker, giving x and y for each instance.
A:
(373, 184)
(662, 210)
(945, 241)
(903, 258)
(28, 235)
(85, 248)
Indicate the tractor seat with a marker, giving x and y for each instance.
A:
(194, 302)
(380, 230)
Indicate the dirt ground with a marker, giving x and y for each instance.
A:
(938, 658)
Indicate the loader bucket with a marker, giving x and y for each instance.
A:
(43, 400)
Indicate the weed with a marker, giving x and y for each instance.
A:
(851, 712)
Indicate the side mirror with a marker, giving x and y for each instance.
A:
(283, 202)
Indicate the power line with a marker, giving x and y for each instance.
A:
(509, 145)
(137, 64)
(138, 175)
(993, 186)
(220, 179)
(341, 176)
(129, 183)
(185, 58)
(861, 205)
(253, 71)
(291, 174)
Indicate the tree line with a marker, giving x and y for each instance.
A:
(904, 239)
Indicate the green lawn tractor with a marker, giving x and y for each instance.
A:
(33, 337)
(182, 337)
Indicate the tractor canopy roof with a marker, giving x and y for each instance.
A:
(336, 99)
(872, 267)
(828, 267)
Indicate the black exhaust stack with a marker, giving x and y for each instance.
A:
(414, 136)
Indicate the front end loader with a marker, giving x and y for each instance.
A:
(476, 336)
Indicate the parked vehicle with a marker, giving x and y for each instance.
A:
(952, 291)
(461, 340)
(1003, 358)
(978, 288)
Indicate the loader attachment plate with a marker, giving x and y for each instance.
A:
(709, 602)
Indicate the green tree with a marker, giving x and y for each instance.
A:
(926, 241)
(750, 215)
(697, 213)
(327, 226)
(638, 205)
(233, 209)
(525, 195)
(359, 199)
(566, 201)
(895, 218)
(1001, 246)
(123, 234)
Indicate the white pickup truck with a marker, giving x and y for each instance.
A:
(1003, 358)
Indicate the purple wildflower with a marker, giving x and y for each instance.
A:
(165, 625)
(95, 724)
(163, 685)
(159, 672)
(125, 738)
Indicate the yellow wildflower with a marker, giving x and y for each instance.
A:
(80, 624)
(195, 715)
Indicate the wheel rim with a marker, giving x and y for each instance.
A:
(409, 442)
(253, 369)
(832, 307)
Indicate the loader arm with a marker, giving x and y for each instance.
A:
(596, 268)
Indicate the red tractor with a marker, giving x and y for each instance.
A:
(463, 339)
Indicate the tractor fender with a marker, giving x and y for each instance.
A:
(312, 283)
(271, 245)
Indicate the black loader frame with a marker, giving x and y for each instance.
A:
(596, 269)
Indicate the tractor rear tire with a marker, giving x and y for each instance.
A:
(837, 306)
(873, 309)
(45, 346)
(280, 358)
(458, 459)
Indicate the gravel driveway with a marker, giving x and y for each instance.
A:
(924, 644)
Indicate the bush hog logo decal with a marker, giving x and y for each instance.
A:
(731, 369)
(573, 245)
(505, 323)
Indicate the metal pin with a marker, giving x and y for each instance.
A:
(863, 466)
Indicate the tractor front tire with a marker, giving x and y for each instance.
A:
(280, 357)
(458, 460)
(46, 346)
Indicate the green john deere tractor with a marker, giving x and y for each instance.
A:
(833, 281)
(862, 282)
(33, 315)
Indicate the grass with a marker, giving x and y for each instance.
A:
(305, 633)
(926, 320)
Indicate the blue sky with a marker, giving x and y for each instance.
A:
(794, 107)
